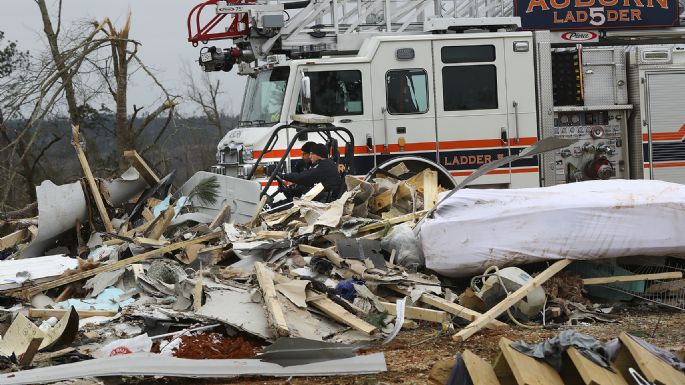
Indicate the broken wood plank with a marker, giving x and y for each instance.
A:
(418, 313)
(393, 221)
(382, 200)
(451, 307)
(273, 307)
(76, 141)
(270, 234)
(160, 223)
(510, 301)
(313, 192)
(338, 313)
(28, 292)
(480, 371)
(652, 367)
(12, 239)
(26, 358)
(430, 189)
(591, 373)
(47, 313)
(329, 253)
(149, 242)
(527, 370)
(632, 278)
(139, 164)
(220, 217)
(255, 218)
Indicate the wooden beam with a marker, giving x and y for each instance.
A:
(273, 307)
(26, 358)
(393, 221)
(328, 252)
(382, 200)
(220, 217)
(451, 307)
(591, 373)
(47, 313)
(480, 371)
(139, 164)
(430, 189)
(76, 141)
(12, 239)
(418, 313)
(528, 370)
(30, 291)
(338, 313)
(633, 278)
(197, 292)
(653, 368)
(494, 312)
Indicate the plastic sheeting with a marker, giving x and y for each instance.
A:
(478, 228)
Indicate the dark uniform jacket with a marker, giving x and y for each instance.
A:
(324, 172)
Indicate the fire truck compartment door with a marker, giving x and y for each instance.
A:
(404, 104)
(664, 154)
(472, 110)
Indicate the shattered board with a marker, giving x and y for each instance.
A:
(477, 228)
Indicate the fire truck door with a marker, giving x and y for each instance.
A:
(403, 104)
(342, 91)
(471, 107)
(664, 135)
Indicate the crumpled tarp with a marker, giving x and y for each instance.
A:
(553, 349)
(477, 228)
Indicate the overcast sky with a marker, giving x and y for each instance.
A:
(159, 25)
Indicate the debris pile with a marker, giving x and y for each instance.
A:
(133, 277)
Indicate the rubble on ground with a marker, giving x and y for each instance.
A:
(307, 289)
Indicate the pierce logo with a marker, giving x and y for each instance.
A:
(579, 36)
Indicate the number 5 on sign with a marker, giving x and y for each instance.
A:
(597, 16)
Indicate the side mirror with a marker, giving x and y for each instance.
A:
(306, 94)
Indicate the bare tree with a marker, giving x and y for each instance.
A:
(204, 93)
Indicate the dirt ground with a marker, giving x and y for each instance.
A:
(413, 353)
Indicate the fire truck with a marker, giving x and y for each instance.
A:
(452, 85)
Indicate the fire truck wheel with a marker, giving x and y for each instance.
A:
(415, 166)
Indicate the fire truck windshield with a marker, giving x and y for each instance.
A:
(264, 97)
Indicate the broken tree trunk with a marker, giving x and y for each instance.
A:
(510, 301)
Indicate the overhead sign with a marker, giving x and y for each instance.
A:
(575, 37)
(596, 14)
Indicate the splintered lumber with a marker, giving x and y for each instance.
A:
(418, 313)
(255, 218)
(139, 164)
(393, 221)
(273, 307)
(382, 200)
(12, 239)
(329, 253)
(480, 371)
(220, 217)
(29, 292)
(510, 301)
(91, 180)
(26, 358)
(654, 369)
(632, 278)
(338, 313)
(591, 373)
(451, 307)
(527, 370)
(430, 189)
(160, 223)
(149, 242)
(47, 313)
